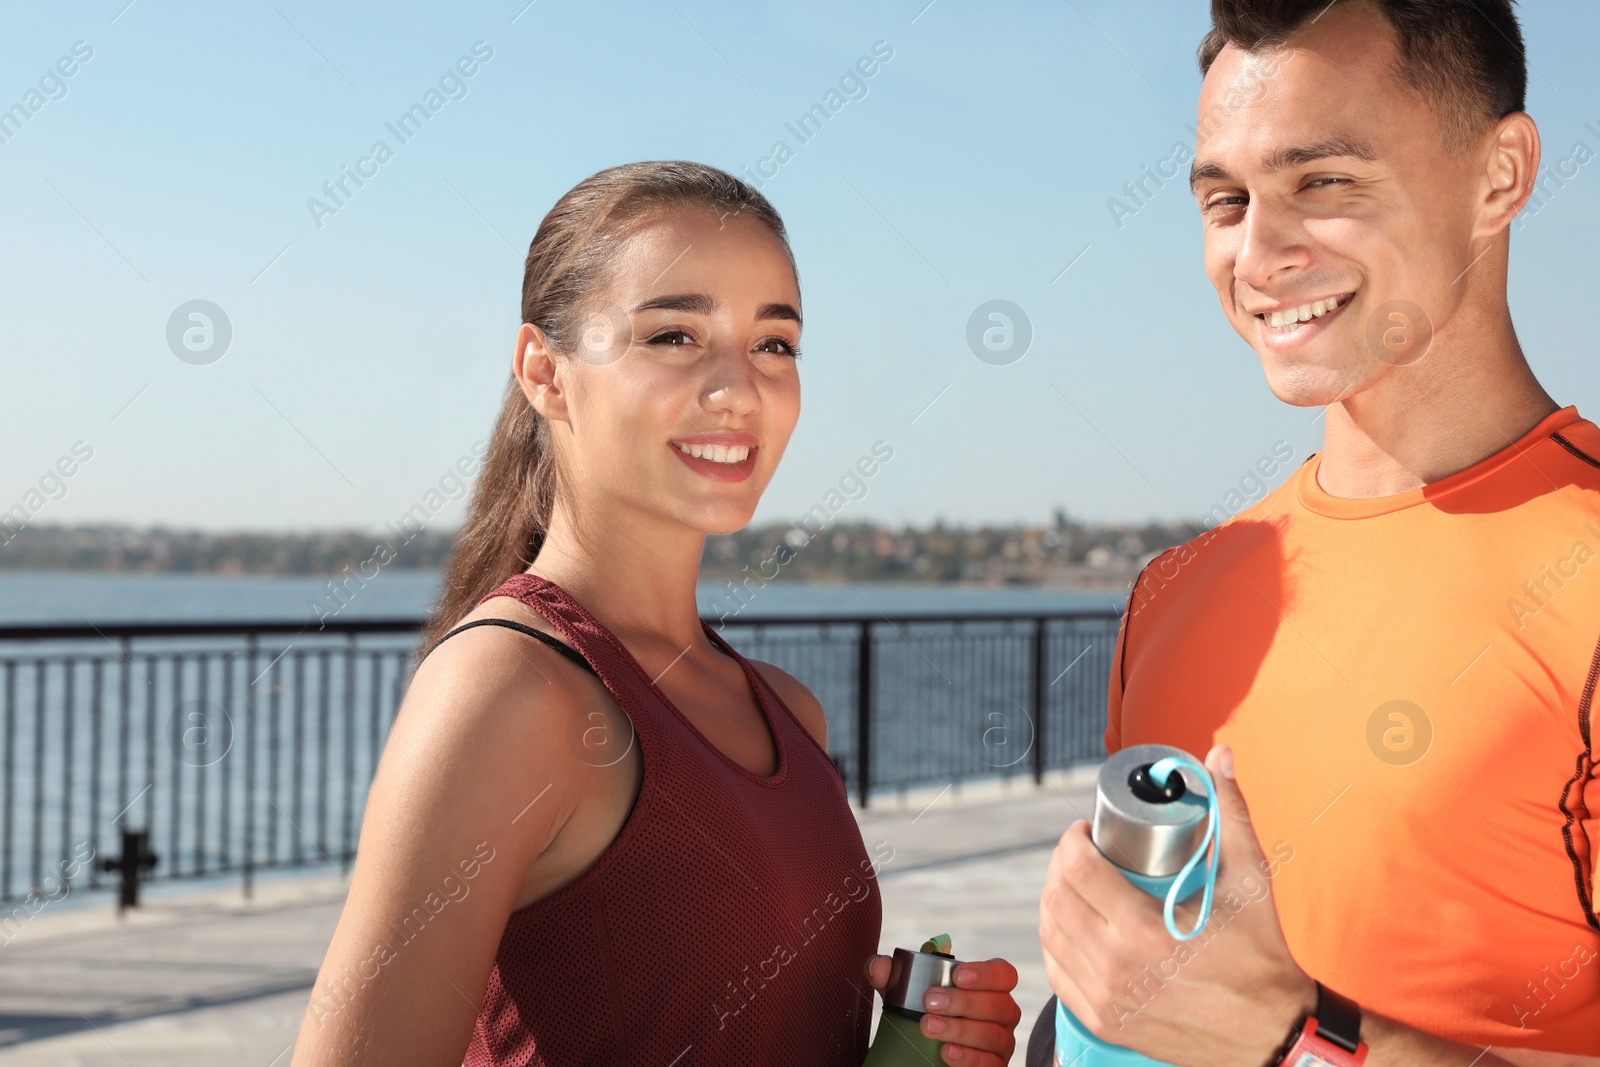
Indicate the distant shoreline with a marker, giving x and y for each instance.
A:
(1066, 555)
(101, 598)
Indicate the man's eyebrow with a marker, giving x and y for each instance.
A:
(698, 303)
(779, 311)
(1206, 171)
(1298, 155)
(1284, 158)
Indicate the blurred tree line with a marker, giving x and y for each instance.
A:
(1066, 551)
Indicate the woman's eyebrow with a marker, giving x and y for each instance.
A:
(701, 304)
(779, 311)
(697, 303)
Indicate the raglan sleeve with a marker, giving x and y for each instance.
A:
(1113, 735)
(1117, 683)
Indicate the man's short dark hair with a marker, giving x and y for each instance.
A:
(1465, 56)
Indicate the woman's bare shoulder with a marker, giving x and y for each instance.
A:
(496, 656)
(491, 690)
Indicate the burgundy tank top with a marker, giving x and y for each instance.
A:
(727, 923)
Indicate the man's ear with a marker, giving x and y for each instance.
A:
(1511, 166)
(536, 370)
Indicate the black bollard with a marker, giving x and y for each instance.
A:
(135, 860)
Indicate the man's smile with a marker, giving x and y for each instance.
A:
(1291, 325)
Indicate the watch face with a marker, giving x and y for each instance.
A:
(1310, 1059)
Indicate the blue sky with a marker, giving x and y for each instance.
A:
(368, 352)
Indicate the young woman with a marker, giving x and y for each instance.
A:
(598, 834)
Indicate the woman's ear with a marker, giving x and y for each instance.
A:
(537, 371)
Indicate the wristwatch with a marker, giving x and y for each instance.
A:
(1331, 1037)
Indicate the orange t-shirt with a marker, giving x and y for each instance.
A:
(1407, 683)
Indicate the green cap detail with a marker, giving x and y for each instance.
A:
(939, 943)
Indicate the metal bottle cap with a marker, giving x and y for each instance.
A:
(912, 974)
(1140, 826)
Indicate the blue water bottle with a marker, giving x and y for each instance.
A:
(1156, 819)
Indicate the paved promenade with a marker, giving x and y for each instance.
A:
(199, 976)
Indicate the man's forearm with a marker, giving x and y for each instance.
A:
(1389, 1044)
(1393, 1044)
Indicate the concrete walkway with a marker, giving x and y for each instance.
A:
(202, 977)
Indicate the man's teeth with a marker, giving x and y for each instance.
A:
(716, 453)
(1304, 313)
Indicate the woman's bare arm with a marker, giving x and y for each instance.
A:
(476, 780)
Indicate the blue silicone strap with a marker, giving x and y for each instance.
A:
(1160, 772)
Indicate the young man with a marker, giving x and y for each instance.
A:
(1395, 652)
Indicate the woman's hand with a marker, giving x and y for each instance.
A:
(976, 1020)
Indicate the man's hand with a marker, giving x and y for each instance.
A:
(976, 1020)
(1228, 996)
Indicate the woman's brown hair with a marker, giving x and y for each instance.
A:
(568, 264)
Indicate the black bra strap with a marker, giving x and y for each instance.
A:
(566, 650)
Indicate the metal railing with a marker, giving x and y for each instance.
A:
(925, 700)
(242, 747)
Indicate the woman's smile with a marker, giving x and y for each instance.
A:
(722, 456)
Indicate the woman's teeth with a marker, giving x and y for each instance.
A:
(716, 453)
(1304, 313)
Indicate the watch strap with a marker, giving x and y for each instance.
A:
(1330, 1037)
(1338, 1019)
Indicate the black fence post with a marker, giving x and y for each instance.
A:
(864, 712)
(130, 867)
(347, 850)
(1039, 691)
(248, 749)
